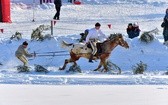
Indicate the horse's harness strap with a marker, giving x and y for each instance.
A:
(94, 40)
(117, 42)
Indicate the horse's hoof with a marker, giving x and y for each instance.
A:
(60, 68)
(95, 70)
(105, 71)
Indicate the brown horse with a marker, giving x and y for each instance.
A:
(81, 50)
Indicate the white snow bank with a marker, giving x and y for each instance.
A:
(83, 95)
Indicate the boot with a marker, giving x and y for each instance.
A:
(57, 18)
(90, 59)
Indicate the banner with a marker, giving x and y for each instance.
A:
(0, 11)
(5, 9)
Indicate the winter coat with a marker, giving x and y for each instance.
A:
(95, 34)
(58, 3)
(133, 32)
(130, 33)
(21, 51)
(136, 31)
(164, 25)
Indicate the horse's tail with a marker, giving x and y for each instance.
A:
(66, 45)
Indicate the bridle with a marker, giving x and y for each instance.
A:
(120, 42)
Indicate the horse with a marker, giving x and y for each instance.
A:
(79, 50)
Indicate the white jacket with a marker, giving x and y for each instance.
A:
(95, 34)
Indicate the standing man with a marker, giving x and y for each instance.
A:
(21, 53)
(58, 4)
(93, 37)
(164, 25)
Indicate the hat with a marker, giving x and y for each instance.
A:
(25, 43)
(130, 24)
(135, 24)
(97, 24)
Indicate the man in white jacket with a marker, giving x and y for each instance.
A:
(93, 37)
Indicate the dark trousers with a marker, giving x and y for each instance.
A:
(58, 8)
(48, 1)
(165, 34)
(42, 1)
(0, 11)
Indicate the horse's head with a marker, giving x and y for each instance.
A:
(118, 39)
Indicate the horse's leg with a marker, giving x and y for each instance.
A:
(68, 61)
(99, 66)
(104, 62)
(65, 63)
(105, 67)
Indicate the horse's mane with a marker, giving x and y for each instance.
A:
(113, 36)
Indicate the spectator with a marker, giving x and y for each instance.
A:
(58, 4)
(164, 25)
(133, 30)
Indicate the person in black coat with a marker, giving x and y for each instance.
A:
(164, 25)
(58, 4)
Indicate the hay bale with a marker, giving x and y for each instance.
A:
(75, 68)
(139, 68)
(148, 36)
(16, 36)
(166, 73)
(39, 68)
(113, 68)
(23, 69)
(37, 33)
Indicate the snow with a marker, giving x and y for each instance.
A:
(88, 87)
(78, 95)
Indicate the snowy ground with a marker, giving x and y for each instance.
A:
(74, 20)
(83, 95)
(102, 88)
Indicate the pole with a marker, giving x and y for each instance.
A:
(33, 10)
(51, 27)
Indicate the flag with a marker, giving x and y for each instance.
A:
(2, 30)
(109, 26)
